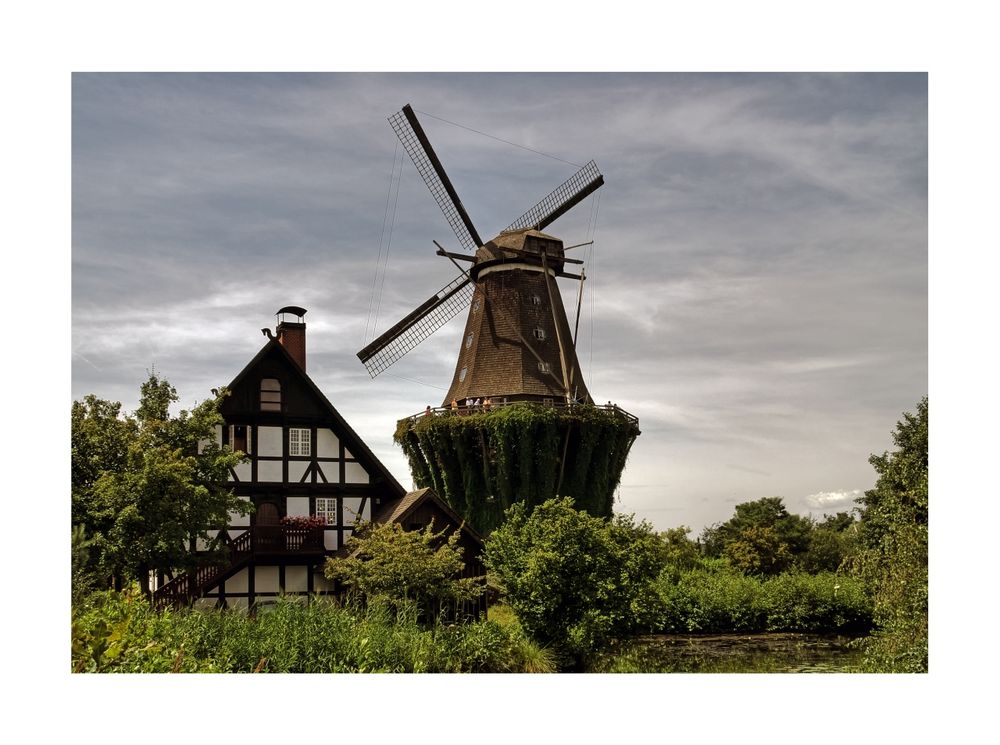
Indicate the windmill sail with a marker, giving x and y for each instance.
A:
(563, 198)
(404, 123)
(431, 315)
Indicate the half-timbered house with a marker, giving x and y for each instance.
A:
(307, 474)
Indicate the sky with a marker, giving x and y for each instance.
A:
(757, 289)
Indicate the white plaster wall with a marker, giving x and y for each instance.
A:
(205, 603)
(237, 583)
(296, 469)
(296, 579)
(266, 579)
(351, 507)
(327, 444)
(355, 474)
(269, 441)
(237, 603)
(269, 470)
(331, 471)
(297, 507)
(347, 453)
(243, 471)
(330, 540)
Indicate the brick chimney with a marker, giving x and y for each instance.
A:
(292, 334)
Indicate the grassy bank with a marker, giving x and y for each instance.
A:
(119, 632)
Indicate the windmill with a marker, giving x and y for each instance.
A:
(517, 343)
(517, 349)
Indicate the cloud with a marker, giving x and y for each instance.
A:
(833, 500)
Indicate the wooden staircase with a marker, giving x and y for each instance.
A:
(185, 588)
(265, 542)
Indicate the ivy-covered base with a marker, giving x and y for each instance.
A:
(482, 463)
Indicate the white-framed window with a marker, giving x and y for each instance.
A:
(536, 300)
(544, 367)
(476, 305)
(461, 374)
(326, 508)
(468, 341)
(299, 442)
(539, 334)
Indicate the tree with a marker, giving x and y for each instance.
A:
(572, 578)
(893, 563)
(419, 566)
(758, 550)
(146, 485)
(769, 512)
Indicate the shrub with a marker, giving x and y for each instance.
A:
(574, 579)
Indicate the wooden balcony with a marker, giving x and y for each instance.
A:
(274, 540)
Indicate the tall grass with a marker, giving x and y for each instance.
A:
(119, 632)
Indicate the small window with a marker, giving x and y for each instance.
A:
(326, 508)
(468, 341)
(539, 334)
(239, 437)
(270, 395)
(544, 367)
(536, 300)
(546, 401)
(461, 374)
(299, 442)
(476, 304)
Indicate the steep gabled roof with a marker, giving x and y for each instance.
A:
(351, 438)
(397, 510)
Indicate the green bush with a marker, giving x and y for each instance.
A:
(574, 579)
(707, 601)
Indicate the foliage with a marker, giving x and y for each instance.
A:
(482, 463)
(762, 537)
(715, 601)
(680, 552)
(145, 485)
(758, 550)
(574, 579)
(119, 632)
(769, 512)
(831, 543)
(893, 561)
(84, 580)
(416, 566)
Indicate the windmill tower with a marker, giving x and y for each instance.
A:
(517, 348)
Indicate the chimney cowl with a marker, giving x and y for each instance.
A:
(292, 334)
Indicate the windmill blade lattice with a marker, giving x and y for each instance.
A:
(563, 198)
(431, 315)
(404, 123)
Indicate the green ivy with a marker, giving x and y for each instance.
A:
(483, 463)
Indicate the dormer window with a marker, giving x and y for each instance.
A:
(270, 395)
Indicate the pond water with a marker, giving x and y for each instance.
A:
(731, 653)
